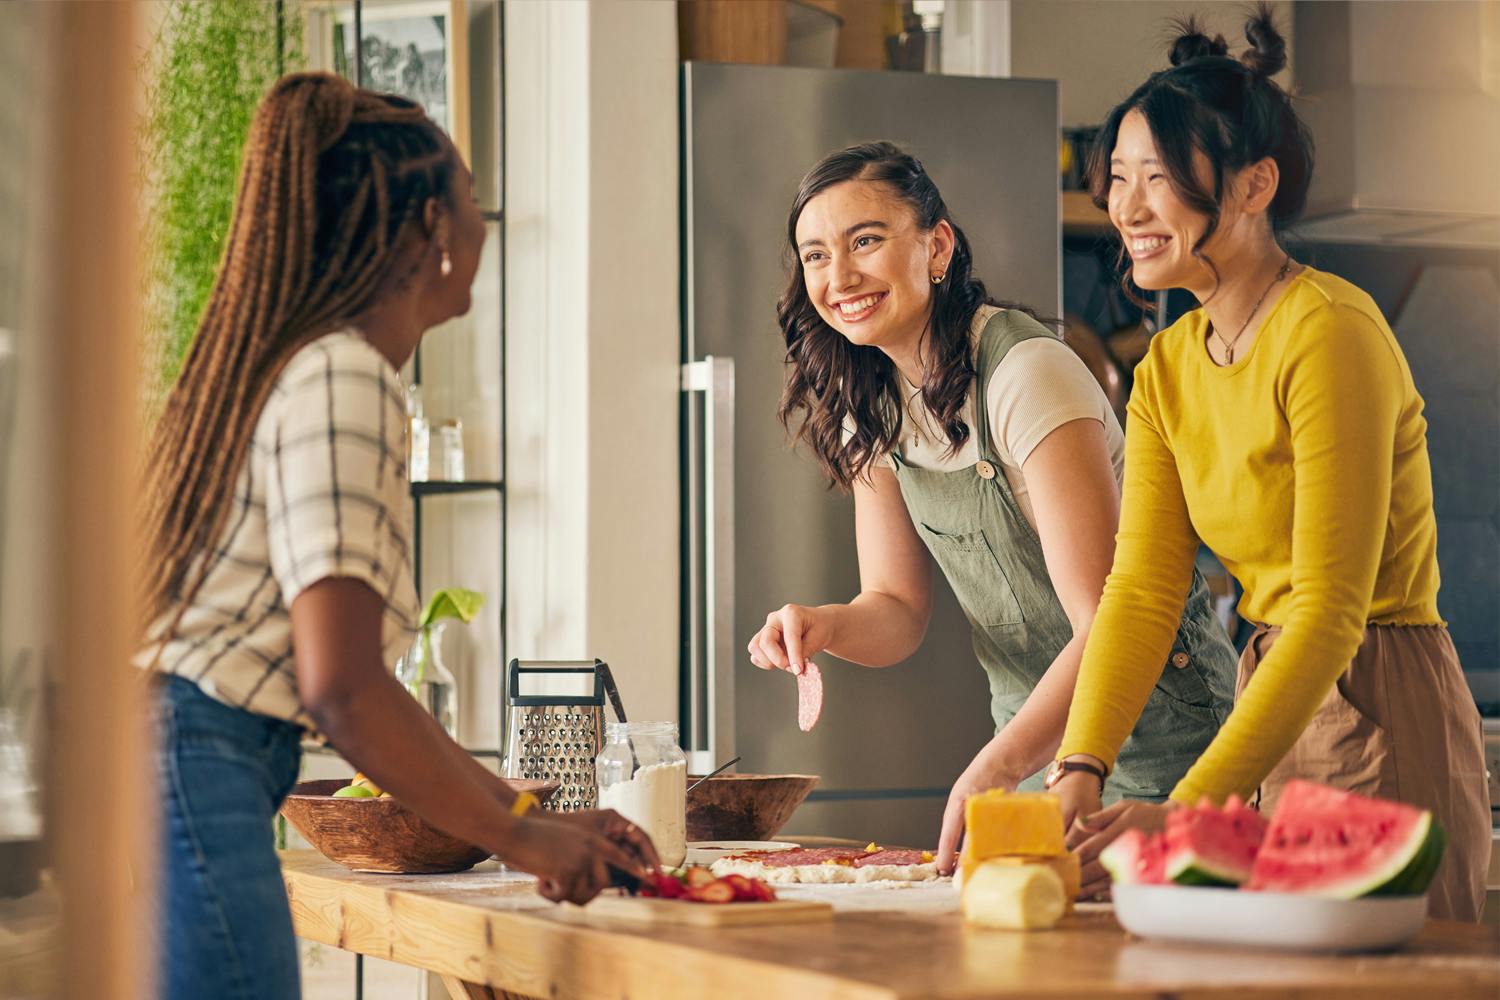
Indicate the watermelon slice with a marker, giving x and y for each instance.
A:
(1327, 842)
(1136, 858)
(1206, 845)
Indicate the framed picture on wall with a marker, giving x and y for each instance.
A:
(416, 48)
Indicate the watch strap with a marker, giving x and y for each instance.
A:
(1062, 767)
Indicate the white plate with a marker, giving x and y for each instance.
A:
(1268, 919)
(706, 852)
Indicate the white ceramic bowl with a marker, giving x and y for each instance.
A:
(1269, 919)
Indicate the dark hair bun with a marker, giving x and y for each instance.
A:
(1191, 43)
(1266, 55)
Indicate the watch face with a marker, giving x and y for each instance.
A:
(1054, 771)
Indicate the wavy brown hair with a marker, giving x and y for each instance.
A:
(829, 380)
(333, 185)
(1230, 110)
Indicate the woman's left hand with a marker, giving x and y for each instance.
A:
(1091, 834)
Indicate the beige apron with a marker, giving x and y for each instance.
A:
(1401, 724)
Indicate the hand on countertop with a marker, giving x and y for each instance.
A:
(984, 772)
(1092, 833)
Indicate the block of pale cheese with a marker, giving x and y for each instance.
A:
(1014, 897)
(1001, 824)
(1067, 867)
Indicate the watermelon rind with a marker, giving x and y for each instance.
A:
(1408, 870)
(1414, 879)
(1129, 859)
(1119, 859)
(1211, 846)
(1193, 870)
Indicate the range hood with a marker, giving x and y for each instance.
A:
(1404, 103)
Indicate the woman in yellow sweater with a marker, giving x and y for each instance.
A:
(1278, 425)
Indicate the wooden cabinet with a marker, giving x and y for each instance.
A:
(845, 33)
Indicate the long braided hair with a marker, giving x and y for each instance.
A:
(333, 177)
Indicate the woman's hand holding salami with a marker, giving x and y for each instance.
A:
(792, 635)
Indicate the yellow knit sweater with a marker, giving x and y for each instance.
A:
(1303, 466)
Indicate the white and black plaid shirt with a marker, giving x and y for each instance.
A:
(322, 493)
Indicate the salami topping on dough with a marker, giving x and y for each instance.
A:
(894, 858)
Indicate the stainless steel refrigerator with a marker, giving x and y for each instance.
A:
(761, 528)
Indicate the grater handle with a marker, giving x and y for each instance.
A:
(613, 693)
(610, 691)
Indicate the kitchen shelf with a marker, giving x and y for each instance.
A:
(437, 487)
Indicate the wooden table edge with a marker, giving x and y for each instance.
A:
(373, 920)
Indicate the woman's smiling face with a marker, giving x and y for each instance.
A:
(867, 265)
(1158, 228)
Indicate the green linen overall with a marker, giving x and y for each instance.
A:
(992, 559)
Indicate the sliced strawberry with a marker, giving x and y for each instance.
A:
(663, 885)
(763, 892)
(713, 892)
(698, 877)
(744, 888)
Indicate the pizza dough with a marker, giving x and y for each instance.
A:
(821, 866)
(809, 696)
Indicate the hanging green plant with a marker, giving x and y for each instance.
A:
(207, 68)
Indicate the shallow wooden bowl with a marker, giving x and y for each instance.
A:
(382, 835)
(744, 806)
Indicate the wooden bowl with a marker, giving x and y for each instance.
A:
(382, 835)
(744, 806)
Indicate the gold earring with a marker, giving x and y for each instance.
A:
(937, 279)
(445, 264)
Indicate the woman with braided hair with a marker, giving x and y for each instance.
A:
(1278, 425)
(278, 579)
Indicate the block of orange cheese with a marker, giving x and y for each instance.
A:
(1002, 824)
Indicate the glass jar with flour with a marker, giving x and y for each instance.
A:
(643, 776)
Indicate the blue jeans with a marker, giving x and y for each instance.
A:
(225, 929)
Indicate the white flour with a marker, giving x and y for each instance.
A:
(655, 799)
(935, 897)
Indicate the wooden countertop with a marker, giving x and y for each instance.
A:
(490, 929)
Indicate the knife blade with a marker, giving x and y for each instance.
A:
(624, 880)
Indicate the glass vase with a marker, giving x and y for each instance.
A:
(422, 672)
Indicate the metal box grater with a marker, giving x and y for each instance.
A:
(555, 727)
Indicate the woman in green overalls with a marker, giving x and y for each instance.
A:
(966, 427)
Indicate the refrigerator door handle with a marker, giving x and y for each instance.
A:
(711, 676)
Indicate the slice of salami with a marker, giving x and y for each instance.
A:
(801, 856)
(891, 858)
(809, 696)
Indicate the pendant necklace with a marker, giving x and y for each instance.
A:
(1286, 265)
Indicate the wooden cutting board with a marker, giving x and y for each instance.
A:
(675, 911)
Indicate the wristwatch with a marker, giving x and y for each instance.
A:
(1058, 768)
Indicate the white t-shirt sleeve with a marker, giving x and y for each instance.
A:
(1040, 386)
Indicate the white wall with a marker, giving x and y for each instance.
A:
(593, 340)
(1100, 50)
